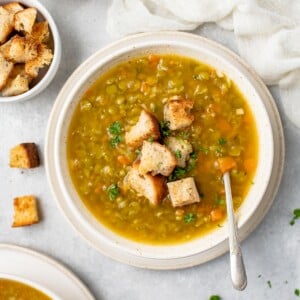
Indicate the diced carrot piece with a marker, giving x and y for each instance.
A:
(249, 165)
(123, 160)
(226, 163)
(223, 125)
(216, 214)
(153, 59)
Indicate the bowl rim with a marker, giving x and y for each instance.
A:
(52, 70)
(184, 260)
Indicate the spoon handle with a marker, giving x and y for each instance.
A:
(237, 267)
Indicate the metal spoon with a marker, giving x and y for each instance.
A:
(237, 267)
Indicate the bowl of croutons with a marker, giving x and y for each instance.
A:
(30, 49)
(139, 139)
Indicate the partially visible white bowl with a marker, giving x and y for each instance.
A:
(32, 284)
(46, 75)
(259, 198)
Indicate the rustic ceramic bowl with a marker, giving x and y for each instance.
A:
(46, 74)
(259, 198)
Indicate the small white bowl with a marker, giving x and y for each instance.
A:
(260, 196)
(30, 283)
(47, 74)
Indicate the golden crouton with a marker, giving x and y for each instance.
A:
(40, 32)
(151, 187)
(43, 58)
(156, 159)
(25, 19)
(20, 50)
(6, 24)
(6, 68)
(13, 7)
(25, 211)
(181, 148)
(146, 127)
(178, 113)
(16, 86)
(24, 156)
(183, 192)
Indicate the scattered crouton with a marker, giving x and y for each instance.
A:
(25, 211)
(24, 156)
(156, 159)
(151, 187)
(183, 192)
(6, 68)
(181, 149)
(43, 58)
(40, 32)
(25, 19)
(178, 113)
(20, 50)
(146, 127)
(13, 7)
(6, 24)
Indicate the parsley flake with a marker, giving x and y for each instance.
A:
(222, 141)
(164, 128)
(115, 141)
(178, 154)
(269, 284)
(189, 218)
(113, 192)
(115, 128)
(296, 216)
(297, 292)
(215, 297)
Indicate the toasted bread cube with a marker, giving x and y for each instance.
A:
(151, 187)
(181, 149)
(6, 68)
(16, 86)
(25, 211)
(43, 59)
(40, 32)
(6, 24)
(25, 19)
(156, 159)
(183, 192)
(20, 50)
(178, 113)
(24, 156)
(146, 127)
(13, 7)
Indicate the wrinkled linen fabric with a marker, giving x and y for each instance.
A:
(267, 33)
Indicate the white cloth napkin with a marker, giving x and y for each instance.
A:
(267, 33)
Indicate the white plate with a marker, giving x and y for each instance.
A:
(44, 271)
(259, 198)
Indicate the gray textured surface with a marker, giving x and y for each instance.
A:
(272, 251)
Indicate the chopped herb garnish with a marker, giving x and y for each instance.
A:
(222, 141)
(150, 140)
(192, 162)
(164, 128)
(184, 134)
(219, 200)
(113, 192)
(296, 216)
(219, 150)
(215, 297)
(178, 173)
(269, 284)
(115, 141)
(297, 292)
(178, 154)
(115, 128)
(137, 151)
(190, 217)
(204, 150)
(259, 276)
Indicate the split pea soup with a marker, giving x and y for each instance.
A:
(223, 132)
(14, 290)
